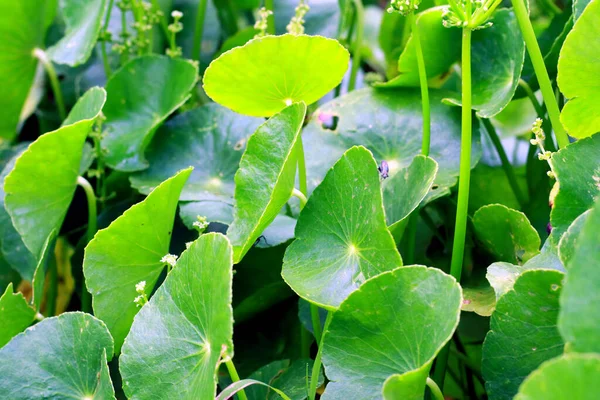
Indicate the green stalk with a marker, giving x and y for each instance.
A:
(356, 43)
(235, 377)
(302, 168)
(107, 70)
(52, 288)
(460, 228)
(269, 5)
(424, 87)
(316, 322)
(124, 35)
(540, 71)
(85, 297)
(199, 30)
(162, 18)
(314, 378)
(54, 82)
(435, 390)
(506, 166)
(300, 196)
(534, 101)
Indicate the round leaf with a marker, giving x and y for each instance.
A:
(141, 95)
(185, 329)
(271, 72)
(211, 139)
(579, 74)
(83, 20)
(569, 241)
(506, 233)
(15, 314)
(266, 177)
(341, 237)
(523, 332)
(22, 29)
(571, 376)
(395, 324)
(41, 186)
(389, 123)
(61, 357)
(129, 251)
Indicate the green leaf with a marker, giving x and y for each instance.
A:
(389, 123)
(579, 320)
(186, 328)
(210, 138)
(578, 7)
(15, 314)
(41, 186)
(294, 380)
(571, 376)
(307, 68)
(577, 170)
(502, 277)
(60, 357)
(438, 45)
(569, 241)
(87, 106)
(83, 20)
(506, 233)
(341, 237)
(497, 55)
(264, 374)
(22, 29)
(393, 326)
(579, 74)
(479, 298)
(235, 387)
(403, 192)
(39, 275)
(489, 185)
(265, 178)
(129, 251)
(141, 95)
(523, 332)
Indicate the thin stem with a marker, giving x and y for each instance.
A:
(460, 227)
(162, 18)
(107, 70)
(86, 300)
(52, 288)
(302, 168)
(235, 377)
(300, 196)
(435, 390)
(534, 101)
(506, 166)
(305, 343)
(60, 104)
(314, 378)
(315, 319)
(124, 36)
(540, 71)
(424, 89)
(269, 5)
(199, 30)
(357, 43)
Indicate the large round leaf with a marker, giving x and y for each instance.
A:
(22, 29)
(271, 72)
(579, 321)
(15, 314)
(523, 332)
(212, 139)
(506, 233)
(497, 55)
(141, 95)
(579, 74)
(577, 170)
(341, 237)
(61, 357)
(266, 177)
(83, 20)
(389, 123)
(186, 329)
(390, 330)
(129, 251)
(571, 376)
(41, 186)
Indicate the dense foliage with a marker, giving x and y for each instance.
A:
(299, 200)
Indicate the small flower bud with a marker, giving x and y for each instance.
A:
(169, 259)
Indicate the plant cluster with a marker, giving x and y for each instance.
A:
(300, 200)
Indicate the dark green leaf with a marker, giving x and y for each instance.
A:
(15, 314)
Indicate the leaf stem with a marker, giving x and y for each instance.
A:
(435, 390)
(269, 5)
(315, 319)
(506, 166)
(424, 88)
(199, 30)
(60, 104)
(52, 287)
(235, 377)
(302, 167)
(541, 73)
(162, 18)
(356, 43)
(300, 196)
(86, 300)
(107, 70)
(460, 227)
(534, 101)
(124, 36)
(314, 378)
